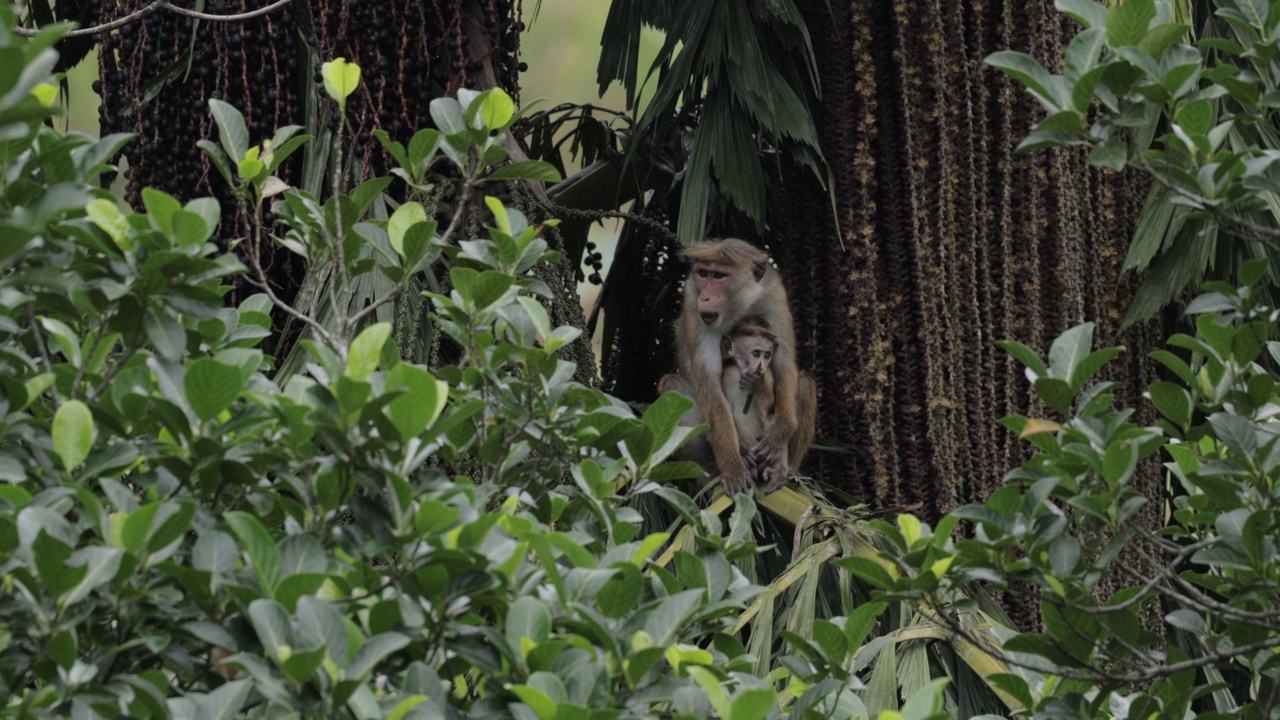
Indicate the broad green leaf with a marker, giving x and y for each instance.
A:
(422, 147)
(423, 401)
(111, 221)
(1173, 401)
(752, 704)
(1127, 22)
(529, 619)
(498, 109)
(211, 386)
(1089, 13)
(372, 652)
(261, 547)
(100, 565)
(366, 351)
(537, 170)
(73, 432)
(68, 342)
(232, 132)
(226, 702)
(1112, 154)
(1024, 68)
(161, 206)
(446, 113)
(271, 623)
(405, 217)
(214, 552)
(341, 78)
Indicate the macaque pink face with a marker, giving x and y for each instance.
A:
(753, 354)
(712, 280)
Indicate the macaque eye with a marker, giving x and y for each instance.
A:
(703, 274)
(717, 275)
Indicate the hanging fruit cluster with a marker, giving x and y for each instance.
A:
(594, 260)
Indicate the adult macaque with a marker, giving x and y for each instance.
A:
(747, 382)
(731, 279)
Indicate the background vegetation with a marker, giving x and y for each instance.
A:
(325, 441)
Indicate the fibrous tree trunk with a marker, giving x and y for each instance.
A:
(948, 241)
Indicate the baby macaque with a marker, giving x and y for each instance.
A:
(747, 379)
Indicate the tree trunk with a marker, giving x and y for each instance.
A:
(948, 241)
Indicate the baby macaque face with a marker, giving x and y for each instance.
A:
(752, 353)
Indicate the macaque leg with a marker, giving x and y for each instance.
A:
(775, 475)
(699, 448)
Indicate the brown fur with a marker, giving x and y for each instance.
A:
(731, 280)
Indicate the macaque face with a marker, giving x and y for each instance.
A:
(713, 281)
(752, 353)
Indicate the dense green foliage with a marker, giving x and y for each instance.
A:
(1199, 119)
(1193, 636)
(184, 535)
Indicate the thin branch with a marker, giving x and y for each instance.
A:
(135, 344)
(44, 350)
(261, 281)
(146, 10)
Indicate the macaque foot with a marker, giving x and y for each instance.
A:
(774, 478)
(734, 484)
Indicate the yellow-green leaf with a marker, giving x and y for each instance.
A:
(405, 217)
(341, 78)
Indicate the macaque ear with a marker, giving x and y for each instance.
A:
(726, 345)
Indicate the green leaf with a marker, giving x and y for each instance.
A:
(271, 623)
(372, 652)
(211, 386)
(73, 432)
(1069, 349)
(189, 229)
(100, 564)
(1173, 401)
(232, 132)
(225, 702)
(529, 619)
(422, 147)
(1024, 355)
(161, 206)
(214, 552)
(752, 704)
(421, 404)
(446, 113)
(219, 160)
(1196, 117)
(1112, 154)
(490, 287)
(498, 109)
(1056, 393)
(1251, 271)
(366, 351)
(166, 334)
(526, 170)
(262, 549)
(1024, 68)
(68, 342)
(1127, 22)
(1089, 13)
(405, 217)
(341, 78)
(111, 221)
